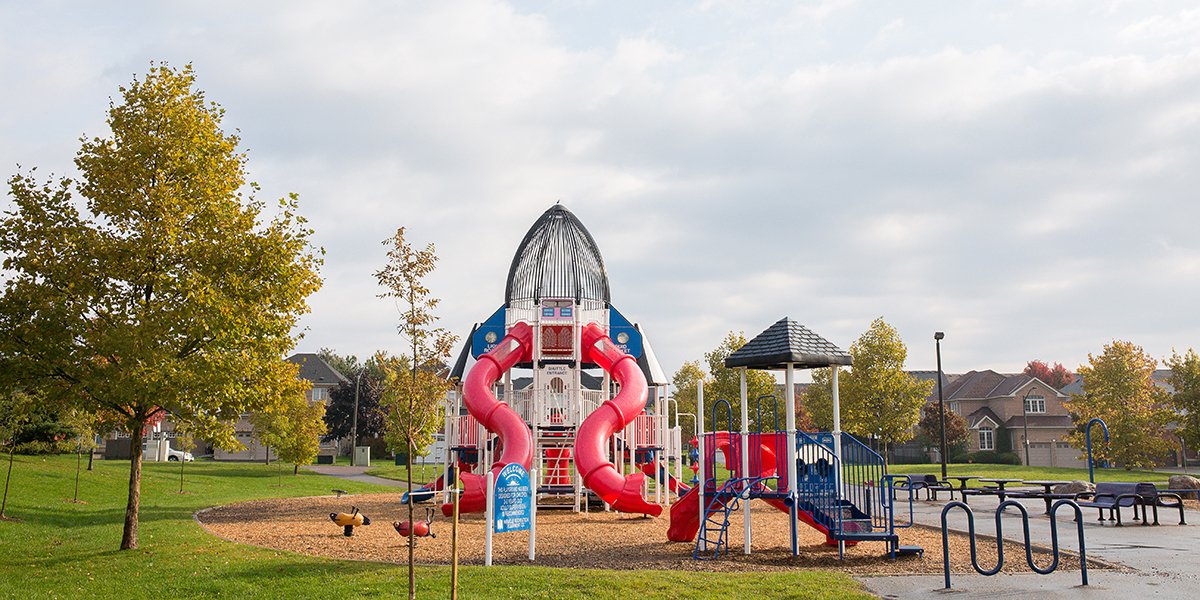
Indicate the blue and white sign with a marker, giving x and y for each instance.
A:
(624, 334)
(488, 334)
(513, 499)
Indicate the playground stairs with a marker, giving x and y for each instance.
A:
(556, 488)
(713, 538)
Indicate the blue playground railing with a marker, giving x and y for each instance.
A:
(862, 479)
(817, 471)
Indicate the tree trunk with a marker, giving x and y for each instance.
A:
(181, 461)
(129, 538)
(295, 469)
(91, 455)
(78, 466)
(408, 443)
(267, 459)
(454, 536)
(12, 447)
(412, 576)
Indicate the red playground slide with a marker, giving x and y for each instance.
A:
(496, 416)
(623, 493)
(672, 484)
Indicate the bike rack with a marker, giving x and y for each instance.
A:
(1087, 434)
(1000, 538)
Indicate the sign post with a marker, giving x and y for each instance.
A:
(509, 506)
(533, 516)
(488, 516)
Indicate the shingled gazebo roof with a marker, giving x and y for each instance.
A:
(787, 342)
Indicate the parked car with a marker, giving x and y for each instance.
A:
(174, 455)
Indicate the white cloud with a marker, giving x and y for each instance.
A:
(737, 162)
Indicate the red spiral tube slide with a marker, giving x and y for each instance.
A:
(622, 492)
(496, 416)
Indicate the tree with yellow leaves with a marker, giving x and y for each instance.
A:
(411, 400)
(1118, 387)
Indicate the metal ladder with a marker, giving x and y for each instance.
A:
(714, 528)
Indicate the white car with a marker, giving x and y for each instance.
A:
(174, 455)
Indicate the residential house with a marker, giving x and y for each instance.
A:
(323, 378)
(1003, 412)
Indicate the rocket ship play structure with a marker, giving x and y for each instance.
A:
(560, 382)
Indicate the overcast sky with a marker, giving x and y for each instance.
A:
(1021, 175)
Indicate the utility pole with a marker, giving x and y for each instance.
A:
(1025, 426)
(937, 340)
(354, 423)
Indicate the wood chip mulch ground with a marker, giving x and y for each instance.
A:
(599, 540)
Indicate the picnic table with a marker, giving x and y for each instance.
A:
(999, 483)
(1047, 495)
(962, 485)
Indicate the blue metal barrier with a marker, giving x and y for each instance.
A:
(889, 497)
(1000, 539)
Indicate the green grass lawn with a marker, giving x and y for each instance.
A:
(422, 474)
(1031, 473)
(63, 550)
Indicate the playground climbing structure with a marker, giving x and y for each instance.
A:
(829, 481)
(559, 381)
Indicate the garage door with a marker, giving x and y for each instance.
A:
(1039, 454)
(1067, 456)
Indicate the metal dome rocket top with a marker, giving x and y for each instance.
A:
(557, 259)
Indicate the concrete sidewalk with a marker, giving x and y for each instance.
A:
(354, 474)
(1165, 560)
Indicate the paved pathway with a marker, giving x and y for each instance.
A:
(1165, 559)
(354, 474)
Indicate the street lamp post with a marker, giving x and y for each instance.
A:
(1025, 425)
(937, 340)
(354, 422)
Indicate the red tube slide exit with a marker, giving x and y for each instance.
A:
(496, 416)
(622, 492)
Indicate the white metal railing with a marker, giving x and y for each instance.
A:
(645, 430)
(467, 432)
(542, 408)
(522, 403)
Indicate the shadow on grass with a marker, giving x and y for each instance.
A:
(57, 514)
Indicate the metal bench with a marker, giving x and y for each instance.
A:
(1113, 496)
(930, 483)
(1164, 498)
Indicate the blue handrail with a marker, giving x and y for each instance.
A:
(1087, 434)
(732, 451)
(1000, 538)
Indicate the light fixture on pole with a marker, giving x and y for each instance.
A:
(937, 340)
(354, 422)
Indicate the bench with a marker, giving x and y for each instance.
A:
(1165, 499)
(1113, 496)
(930, 483)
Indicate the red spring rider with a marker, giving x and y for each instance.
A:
(419, 529)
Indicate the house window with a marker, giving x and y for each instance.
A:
(320, 394)
(954, 407)
(986, 441)
(1035, 404)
